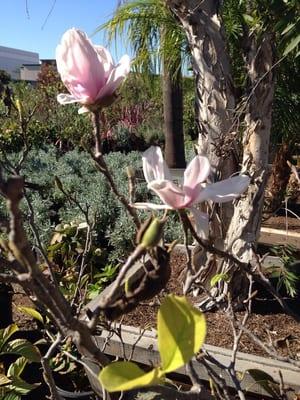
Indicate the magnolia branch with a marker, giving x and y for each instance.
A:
(33, 280)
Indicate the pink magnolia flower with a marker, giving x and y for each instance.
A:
(193, 189)
(88, 71)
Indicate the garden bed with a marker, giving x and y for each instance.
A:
(265, 322)
(283, 329)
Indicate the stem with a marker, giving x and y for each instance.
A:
(136, 255)
(48, 376)
(97, 133)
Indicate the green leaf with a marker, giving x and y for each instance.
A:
(266, 381)
(4, 380)
(292, 45)
(248, 19)
(125, 375)
(12, 396)
(32, 312)
(6, 333)
(217, 278)
(181, 332)
(23, 348)
(16, 368)
(21, 387)
(288, 28)
(3, 391)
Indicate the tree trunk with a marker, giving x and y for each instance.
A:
(216, 105)
(215, 102)
(214, 86)
(173, 117)
(244, 228)
(279, 179)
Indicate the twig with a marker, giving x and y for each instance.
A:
(102, 167)
(48, 376)
(33, 279)
(194, 377)
(48, 15)
(37, 238)
(136, 255)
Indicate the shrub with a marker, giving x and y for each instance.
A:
(114, 230)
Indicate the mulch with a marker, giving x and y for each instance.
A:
(277, 328)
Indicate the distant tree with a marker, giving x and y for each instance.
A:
(5, 91)
(158, 43)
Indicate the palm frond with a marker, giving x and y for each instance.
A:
(151, 30)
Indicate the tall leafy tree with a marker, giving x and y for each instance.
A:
(158, 43)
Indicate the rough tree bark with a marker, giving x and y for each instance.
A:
(215, 101)
(216, 106)
(215, 96)
(244, 228)
(279, 178)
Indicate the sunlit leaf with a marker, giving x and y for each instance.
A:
(125, 375)
(288, 28)
(6, 333)
(21, 387)
(181, 332)
(32, 312)
(218, 278)
(248, 19)
(292, 45)
(4, 380)
(23, 348)
(12, 396)
(17, 367)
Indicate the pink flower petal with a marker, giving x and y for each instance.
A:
(226, 190)
(154, 165)
(169, 193)
(79, 66)
(116, 77)
(105, 59)
(196, 172)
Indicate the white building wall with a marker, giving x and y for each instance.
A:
(29, 73)
(12, 59)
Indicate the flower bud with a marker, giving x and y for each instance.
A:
(151, 232)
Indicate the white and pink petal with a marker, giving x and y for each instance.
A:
(169, 193)
(223, 191)
(151, 206)
(196, 172)
(64, 98)
(116, 77)
(154, 165)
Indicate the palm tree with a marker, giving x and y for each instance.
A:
(158, 42)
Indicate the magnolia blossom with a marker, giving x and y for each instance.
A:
(193, 189)
(88, 71)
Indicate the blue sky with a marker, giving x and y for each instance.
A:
(24, 30)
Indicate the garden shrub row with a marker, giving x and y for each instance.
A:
(114, 230)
